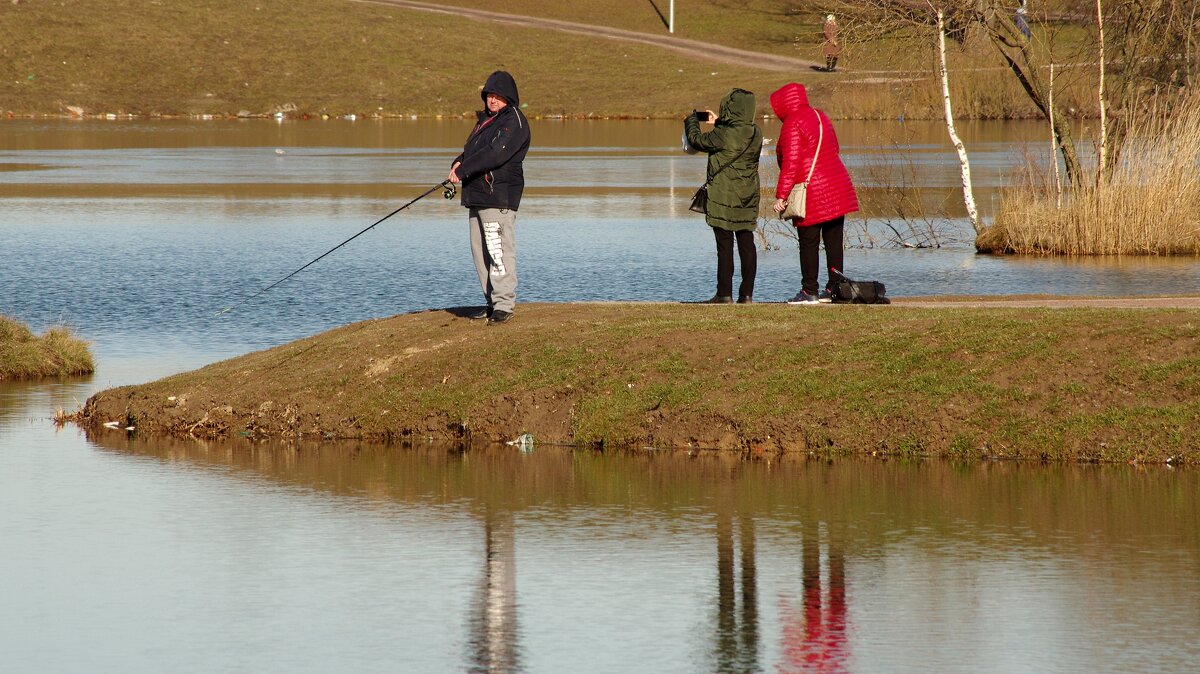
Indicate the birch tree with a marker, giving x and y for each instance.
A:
(1149, 40)
(964, 162)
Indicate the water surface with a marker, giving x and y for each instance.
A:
(166, 556)
(125, 554)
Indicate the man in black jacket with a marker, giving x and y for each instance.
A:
(489, 169)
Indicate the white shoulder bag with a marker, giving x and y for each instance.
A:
(796, 198)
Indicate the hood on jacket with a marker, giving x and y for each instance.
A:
(788, 100)
(501, 84)
(737, 108)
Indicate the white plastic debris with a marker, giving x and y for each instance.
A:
(523, 443)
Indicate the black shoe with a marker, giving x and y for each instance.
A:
(719, 299)
(499, 316)
(745, 299)
(479, 314)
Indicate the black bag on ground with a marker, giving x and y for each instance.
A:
(700, 200)
(848, 291)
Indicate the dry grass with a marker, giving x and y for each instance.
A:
(1150, 205)
(327, 56)
(339, 57)
(57, 353)
(61, 417)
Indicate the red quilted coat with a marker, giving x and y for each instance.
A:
(830, 192)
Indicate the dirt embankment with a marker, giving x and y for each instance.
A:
(967, 378)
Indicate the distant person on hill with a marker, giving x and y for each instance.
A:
(733, 146)
(831, 48)
(807, 151)
(489, 169)
(1021, 21)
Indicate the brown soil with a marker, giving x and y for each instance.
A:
(1003, 377)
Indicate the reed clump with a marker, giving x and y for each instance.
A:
(1149, 204)
(57, 353)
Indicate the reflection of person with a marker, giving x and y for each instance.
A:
(814, 639)
(830, 192)
(733, 147)
(489, 169)
(831, 48)
(737, 635)
(493, 636)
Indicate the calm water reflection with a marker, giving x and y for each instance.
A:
(158, 556)
(390, 559)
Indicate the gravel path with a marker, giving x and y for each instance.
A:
(1056, 302)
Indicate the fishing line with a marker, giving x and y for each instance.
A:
(449, 193)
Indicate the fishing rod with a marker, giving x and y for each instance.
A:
(449, 193)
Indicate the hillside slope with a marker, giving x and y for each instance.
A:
(333, 57)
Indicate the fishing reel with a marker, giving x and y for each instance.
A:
(451, 190)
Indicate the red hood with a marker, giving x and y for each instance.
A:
(788, 100)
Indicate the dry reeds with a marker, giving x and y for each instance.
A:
(1148, 205)
(57, 353)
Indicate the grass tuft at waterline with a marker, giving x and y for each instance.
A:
(57, 353)
(1078, 384)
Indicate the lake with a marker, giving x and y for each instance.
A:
(156, 555)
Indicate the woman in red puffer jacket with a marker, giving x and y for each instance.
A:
(830, 192)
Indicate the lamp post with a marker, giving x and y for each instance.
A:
(671, 20)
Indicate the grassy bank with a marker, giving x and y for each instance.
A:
(338, 57)
(57, 353)
(1061, 384)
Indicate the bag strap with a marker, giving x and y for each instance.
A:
(820, 137)
(739, 156)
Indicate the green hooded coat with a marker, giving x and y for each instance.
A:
(733, 194)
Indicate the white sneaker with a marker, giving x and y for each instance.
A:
(803, 298)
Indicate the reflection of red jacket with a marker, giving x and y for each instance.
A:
(815, 640)
(830, 192)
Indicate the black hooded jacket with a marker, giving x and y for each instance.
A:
(490, 167)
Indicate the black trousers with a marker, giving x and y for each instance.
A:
(747, 257)
(831, 232)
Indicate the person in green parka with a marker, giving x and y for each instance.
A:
(733, 146)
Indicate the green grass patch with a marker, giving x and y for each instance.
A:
(1071, 384)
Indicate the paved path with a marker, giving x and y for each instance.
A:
(1057, 302)
(694, 48)
(972, 302)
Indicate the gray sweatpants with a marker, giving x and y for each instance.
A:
(494, 249)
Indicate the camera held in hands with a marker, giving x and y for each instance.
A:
(702, 115)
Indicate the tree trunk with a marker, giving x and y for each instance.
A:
(968, 189)
(1102, 165)
(1058, 188)
(1015, 50)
